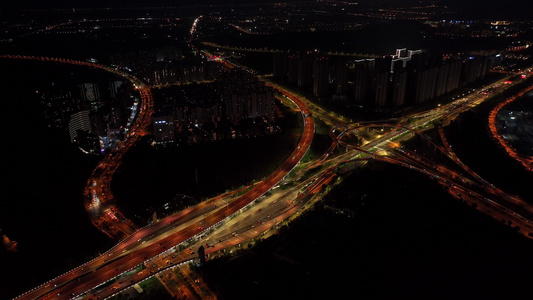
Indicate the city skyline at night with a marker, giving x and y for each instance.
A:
(237, 150)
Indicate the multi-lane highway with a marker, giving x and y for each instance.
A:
(128, 254)
(99, 200)
(228, 220)
(526, 161)
(459, 179)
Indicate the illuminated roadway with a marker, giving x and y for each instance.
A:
(470, 188)
(234, 223)
(526, 161)
(118, 260)
(99, 199)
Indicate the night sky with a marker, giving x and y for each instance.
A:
(29, 4)
(469, 5)
(471, 9)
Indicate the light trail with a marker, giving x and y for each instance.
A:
(106, 266)
(501, 203)
(134, 250)
(525, 161)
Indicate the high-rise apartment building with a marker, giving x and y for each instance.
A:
(320, 76)
(292, 62)
(362, 69)
(339, 78)
(279, 69)
(305, 71)
(380, 88)
(90, 94)
(79, 121)
(164, 129)
(398, 88)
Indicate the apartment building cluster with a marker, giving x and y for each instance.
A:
(406, 78)
(236, 105)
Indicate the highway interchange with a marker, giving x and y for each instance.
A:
(233, 218)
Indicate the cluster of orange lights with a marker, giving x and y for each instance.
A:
(111, 215)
